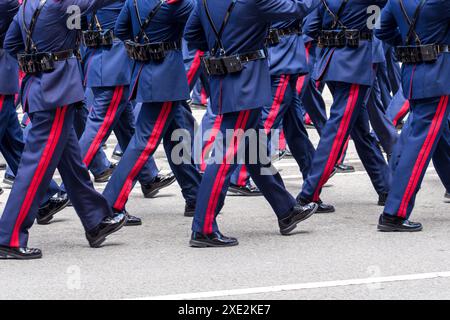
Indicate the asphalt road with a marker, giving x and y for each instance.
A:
(333, 256)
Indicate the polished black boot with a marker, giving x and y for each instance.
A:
(248, 190)
(7, 253)
(161, 181)
(343, 168)
(8, 180)
(215, 239)
(50, 208)
(189, 210)
(297, 215)
(382, 198)
(108, 226)
(388, 223)
(105, 175)
(132, 221)
(322, 207)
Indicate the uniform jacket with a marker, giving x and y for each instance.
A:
(107, 66)
(351, 65)
(289, 56)
(62, 86)
(245, 32)
(433, 27)
(9, 71)
(165, 81)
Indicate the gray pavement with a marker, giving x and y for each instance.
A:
(155, 259)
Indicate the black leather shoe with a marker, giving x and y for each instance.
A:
(133, 221)
(8, 180)
(247, 190)
(105, 175)
(1, 191)
(382, 199)
(2, 166)
(50, 208)
(117, 155)
(298, 214)
(388, 223)
(322, 207)
(215, 239)
(343, 168)
(447, 195)
(19, 253)
(160, 182)
(189, 210)
(108, 226)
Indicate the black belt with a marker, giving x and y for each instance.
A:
(43, 61)
(273, 38)
(428, 53)
(343, 38)
(253, 56)
(221, 66)
(145, 52)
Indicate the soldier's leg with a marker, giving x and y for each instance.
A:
(216, 178)
(183, 165)
(428, 124)
(151, 126)
(209, 128)
(348, 100)
(441, 158)
(370, 154)
(43, 150)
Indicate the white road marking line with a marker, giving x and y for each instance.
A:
(299, 286)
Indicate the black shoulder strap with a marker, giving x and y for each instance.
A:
(94, 20)
(412, 24)
(336, 16)
(29, 44)
(147, 21)
(219, 44)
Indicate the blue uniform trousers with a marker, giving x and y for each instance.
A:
(283, 113)
(155, 122)
(312, 101)
(12, 141)
(111, 111)
(348, 117)
(426, 138)
(51, 144)
(216, 178)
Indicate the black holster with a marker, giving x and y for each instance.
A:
(146, 52)
(95, 39)
(36, 62)
(418, 54)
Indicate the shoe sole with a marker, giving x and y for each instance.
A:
(383, 228)
(8, 183)
(189, 215)
(116, 157)
(134, 224)
(13, 256)
(346, 171)
(47, 219)
(237, 192)
(287, 231)
(201, 244)
(99, 242)
(156, 191)
(1, 191)
(325, 211)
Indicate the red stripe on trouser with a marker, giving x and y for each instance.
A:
(194, 67)
(403, 110)
(277, 101)
(300, 84)
(344, 150)
(2, 101)
(46, 157)
(150, 147)
(339, 139)
(106, 125)
(223, 170)
(208, 145)
(242, 179)
(308, 50)
(424, 154)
